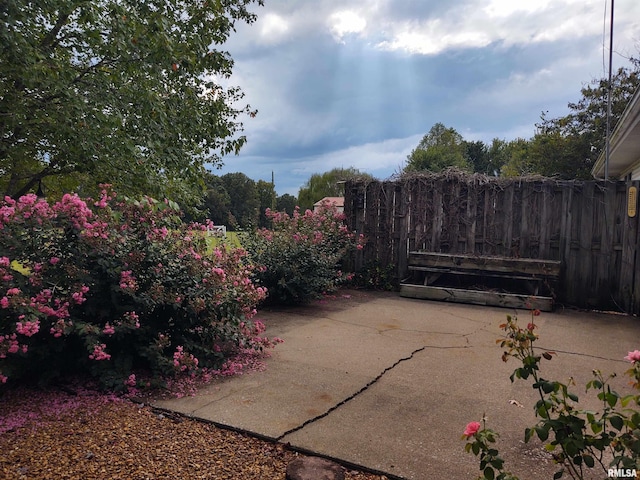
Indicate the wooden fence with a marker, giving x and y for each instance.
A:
(585, 225)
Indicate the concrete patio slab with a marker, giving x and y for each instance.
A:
(389, 383)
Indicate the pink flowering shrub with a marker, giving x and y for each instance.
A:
(299, 258)
(117, 286)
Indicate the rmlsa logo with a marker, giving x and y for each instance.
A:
(622, 473)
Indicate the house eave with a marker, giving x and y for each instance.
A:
(624, 144)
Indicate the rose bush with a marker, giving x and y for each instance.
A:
(581, 440)
(118, 286)
(299, 258)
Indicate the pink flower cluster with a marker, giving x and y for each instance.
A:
(78, 297)
(128, 281)
(99, 353)
(108, 329)
(76, 209)
(131, 380)
(132, 319)
(42, 303)
(28, 328)
(183, 361)
(105, 196)
(9, 344)
(60, 327)
(28, 207)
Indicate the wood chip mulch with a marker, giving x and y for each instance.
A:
(84, 435)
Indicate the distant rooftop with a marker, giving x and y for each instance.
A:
(337, 201)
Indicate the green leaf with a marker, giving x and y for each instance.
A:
(596, 426)
(588, 461)
(558, 474)
(616, 422)
(528, 433)
(624, 401)
(542, 432)
(596, 384)
(489, 474)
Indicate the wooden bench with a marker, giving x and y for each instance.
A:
(485, 280)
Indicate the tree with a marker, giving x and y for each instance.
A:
(217, 203)
(439, 149)
(328, 184)
(286, 203)
(567, 147)
(498, 153)
(477, 156)
(244, 201)
(517, 158)
(267, 198)
(117, 91)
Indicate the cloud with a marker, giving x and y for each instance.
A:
(381, 158)
(345, 22)
(273, 28)
(357, 83)
(433, 38)
(506, 8)
(431, 28)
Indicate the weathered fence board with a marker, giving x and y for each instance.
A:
(582, 224)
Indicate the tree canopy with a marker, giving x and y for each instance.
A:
(328, 184)
(568, 146)
(238, 202)
(564, 147)
(125, 92)
(286, 203)
(439, 149)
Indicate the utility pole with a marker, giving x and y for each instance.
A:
(273, 196)
(609, 88)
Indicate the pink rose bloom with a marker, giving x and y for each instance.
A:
(472, 429)
(633, 356)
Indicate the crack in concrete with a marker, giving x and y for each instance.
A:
(362, 390)
(351, 397)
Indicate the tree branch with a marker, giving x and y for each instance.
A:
(49, 39)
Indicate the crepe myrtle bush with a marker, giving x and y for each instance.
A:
(299, 258)
(118, 286)
(605, 442)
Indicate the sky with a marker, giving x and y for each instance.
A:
(358, 83)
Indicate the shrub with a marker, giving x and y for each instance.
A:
(116, 287)
(299, 258)
(375, 276)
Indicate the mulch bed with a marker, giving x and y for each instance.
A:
(85, 435)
